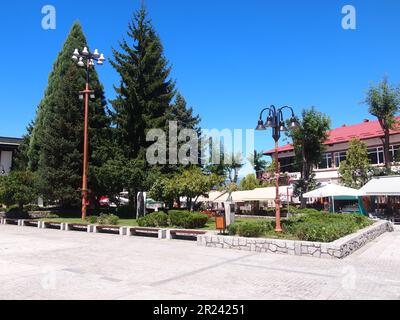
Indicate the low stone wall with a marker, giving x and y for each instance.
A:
(337, 249)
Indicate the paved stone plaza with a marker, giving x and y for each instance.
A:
(51, 264)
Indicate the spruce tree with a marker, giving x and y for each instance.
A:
(145, 91)
(143, 99)
(56, 144)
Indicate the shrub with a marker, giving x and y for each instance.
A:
(157, 219)
(324, 227)
(186, 219)
(252, 229)
(91, 219)
(108, 219)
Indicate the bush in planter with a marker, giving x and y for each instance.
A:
(154, 220)
(252, 229)
(186, 219)
(324, 227)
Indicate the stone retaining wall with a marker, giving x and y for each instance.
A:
(337, 249)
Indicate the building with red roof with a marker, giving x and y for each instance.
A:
(337, 144)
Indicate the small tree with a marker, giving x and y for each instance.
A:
(19, 187)
(355, 170)
(384, 103)
(250, 182)
(308, 139)
(193, 183)
(166, 190)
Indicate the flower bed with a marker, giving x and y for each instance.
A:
(338, 249)
(321, 227)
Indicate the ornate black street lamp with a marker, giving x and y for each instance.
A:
(276, 121)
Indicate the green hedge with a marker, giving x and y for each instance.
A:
(154, 220)
(321, 227)
(251, 229)
(325, 227)
(186, 219)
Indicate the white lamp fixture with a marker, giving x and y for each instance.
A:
(76, 53)
(96, 53)
(81, 63)
(85, 51)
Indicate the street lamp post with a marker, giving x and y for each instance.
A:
(275, 120)
(86, 59)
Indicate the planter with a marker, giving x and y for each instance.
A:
(337, 249)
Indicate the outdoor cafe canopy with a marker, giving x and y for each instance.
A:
(382, 186)
(259, 194)
(333, 190)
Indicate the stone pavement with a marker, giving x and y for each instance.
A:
(51, 264)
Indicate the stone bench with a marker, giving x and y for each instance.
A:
(78, 227)
(110, 229)
(53, 225)
(30, 223)
(184, 234)
(14, 222)
(147, 232)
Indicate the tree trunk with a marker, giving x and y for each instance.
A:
(386, 144)
(304, 177)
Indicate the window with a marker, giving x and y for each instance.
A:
(375, 155)
(326, 161)
(339, 157)
(395, 152)
(287, 164)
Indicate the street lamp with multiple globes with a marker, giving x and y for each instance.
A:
(86, 59)
(275, 120)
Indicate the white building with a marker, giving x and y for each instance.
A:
(337, 145)
(7, 149)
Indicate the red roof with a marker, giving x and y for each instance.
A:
(365, 130)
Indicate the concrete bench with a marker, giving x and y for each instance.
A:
(110, 229)
(52, 225)
(147, 232)
(14, 222)
(30, 223)
(184, 234)
(78, 227)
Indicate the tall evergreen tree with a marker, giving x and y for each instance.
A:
(145, 91)
(144, 95)
(56, 144)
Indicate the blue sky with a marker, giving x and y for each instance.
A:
(229, 57)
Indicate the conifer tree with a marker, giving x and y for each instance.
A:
(144, 97)
(56, 143)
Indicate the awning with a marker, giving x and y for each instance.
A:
(212, 195)
(259, 194)
(383, 186)
(333, 190)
